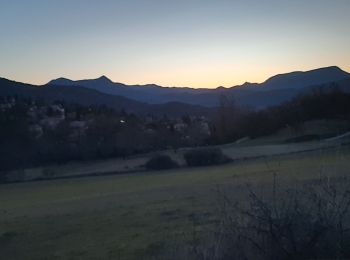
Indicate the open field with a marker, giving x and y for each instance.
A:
(136, 216)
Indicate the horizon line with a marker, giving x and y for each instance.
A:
(165, 86)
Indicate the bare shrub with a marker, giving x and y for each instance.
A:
(205, 156)
(161, 162)
(310, 222)
(307, 223)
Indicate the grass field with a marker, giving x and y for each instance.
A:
(139, 215)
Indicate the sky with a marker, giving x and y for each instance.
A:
(185, 43)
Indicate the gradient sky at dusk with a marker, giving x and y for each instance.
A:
(195, 43)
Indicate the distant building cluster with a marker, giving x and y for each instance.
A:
(75, 121)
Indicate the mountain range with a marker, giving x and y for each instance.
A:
(156, 99)
(273, 91)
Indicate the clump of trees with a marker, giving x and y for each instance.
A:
(92, 132)
(161, 162)
(31, 134)
(205, 157)
(233, 122)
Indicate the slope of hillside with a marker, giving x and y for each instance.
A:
(85, 96)
(297, 80)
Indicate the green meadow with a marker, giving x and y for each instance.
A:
(142, 215)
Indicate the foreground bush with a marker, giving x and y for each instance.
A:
(161, 162)
(312, 222)
(205, 156)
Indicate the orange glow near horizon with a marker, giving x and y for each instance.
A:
(183, 43)
(203, 77)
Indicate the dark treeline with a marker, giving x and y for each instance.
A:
(35, 132)
(233, 122)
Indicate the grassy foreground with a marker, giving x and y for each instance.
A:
(137, 216)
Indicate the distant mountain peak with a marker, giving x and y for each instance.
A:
(63, 78)
(336, 68)
(298, 79)
(61, 81)
(103, 78)
(248, 84)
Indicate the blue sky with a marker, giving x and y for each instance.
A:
(195, 43)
